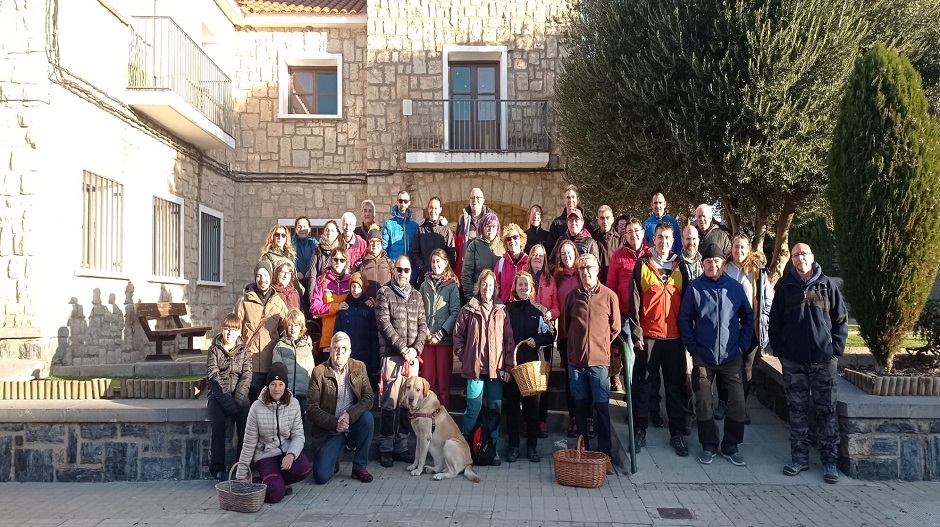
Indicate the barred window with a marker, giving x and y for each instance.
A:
(102, 224)
(210, 245)
(167, 237)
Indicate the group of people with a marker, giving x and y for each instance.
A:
(400, 299)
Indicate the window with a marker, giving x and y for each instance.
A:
(211, 233)
(474, 114)
(102, 224)
(311, 87)
(167, 237)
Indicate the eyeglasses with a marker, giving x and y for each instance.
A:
(403, 201)
(476, 198)
(339, 260)
(280, 235)
(230, 330)
(403, 270)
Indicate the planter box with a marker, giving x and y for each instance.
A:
(56, 390)
(892, 385)
(161, 389)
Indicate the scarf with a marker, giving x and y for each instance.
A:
(403, 292)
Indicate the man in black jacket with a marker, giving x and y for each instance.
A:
(535, 233)
(432, 234)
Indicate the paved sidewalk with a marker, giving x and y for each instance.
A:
(522, 493)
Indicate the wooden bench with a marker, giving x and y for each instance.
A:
(162, 310)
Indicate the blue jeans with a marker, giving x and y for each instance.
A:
(477, 390)
(327, 456)
(592, 383)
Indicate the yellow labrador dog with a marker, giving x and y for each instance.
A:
(437, 434)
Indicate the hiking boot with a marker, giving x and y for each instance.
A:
(735, 457)
(639, 439)
(830, 473)
(572, 428)
(721, 410)
(793, 468)
(543, 430)
(616, 385)
(591, 432)
(385, 459)
(657, 420)
(512, 455)
(496, 461)
(404, 457)
(362, 475)
(706, 457)
(532, 454)
(677, 441)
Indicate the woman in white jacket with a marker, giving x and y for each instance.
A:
(274, 438)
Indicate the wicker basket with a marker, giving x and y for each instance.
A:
(531, 377)
(240, 496)
(579, 467)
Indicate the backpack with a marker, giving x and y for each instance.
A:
(480, 439)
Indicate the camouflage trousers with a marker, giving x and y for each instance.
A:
(812, 384)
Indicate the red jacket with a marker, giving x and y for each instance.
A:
(620, 273)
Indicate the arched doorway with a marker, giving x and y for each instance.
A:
(507, 212)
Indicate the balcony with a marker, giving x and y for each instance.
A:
(476, 133)
(174, 82)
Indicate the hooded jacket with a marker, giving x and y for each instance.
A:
(401, 321)
(298, 358)
(431, 235)
(355, 249)
(441, 306)
(274, 428)
(253, 308)
(330, 291)
(398, 233)
(527, 320)
(649, 228)
(654, 303)
(808, 320)
(305, 249)
(620, 273)
(377, 270)
(762, 298)
(228, 374)
(716, 321)
(481, 344)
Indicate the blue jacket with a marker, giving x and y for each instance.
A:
(808, 319)
(716, 320)
(397, 234)
(649, 225)
(358, 321)
(304, 250)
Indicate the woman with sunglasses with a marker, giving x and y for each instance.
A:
(512, 262)
(320, 260)
(277, 246)
(329, 296)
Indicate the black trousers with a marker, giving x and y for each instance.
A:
(520, 411)
(668, 356)
(703, 375)
(218, 424)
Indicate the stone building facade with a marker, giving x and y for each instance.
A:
(101, 112)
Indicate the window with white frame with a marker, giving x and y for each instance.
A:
(311, 87)
(475, 83)
(102, 224)
(168, 237)
(211, 238)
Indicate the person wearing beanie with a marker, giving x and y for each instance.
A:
(261, 310)
(716, 322)
(482, 253)
(274, 437)
(375, 265)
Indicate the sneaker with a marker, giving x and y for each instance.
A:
(543, 430)
(830, 473)
(706, 457)
(362, 475)
(512, 455)
(735, 457)
(677, 441)
(496, 461)
(657, 420)
(385, 459)
(532, 454)
(591, 432)
(616, 385)
(572, 428)
(721, 410)
(793, 468)
(639, 439)
(404, 457)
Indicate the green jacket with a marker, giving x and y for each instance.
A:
(479, 256)
(441, 305)
(298, 357)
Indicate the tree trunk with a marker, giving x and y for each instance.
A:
(760, 229)
(782, 239)
(729, 214)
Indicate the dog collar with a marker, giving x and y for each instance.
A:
(432, 416)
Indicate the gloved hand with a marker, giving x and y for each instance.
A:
(228, 404)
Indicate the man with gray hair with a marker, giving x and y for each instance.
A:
(339, 403)
(354, 244)
(367, 213)
(590, 320)
(468, 224)
(399, 313)
(709, 232)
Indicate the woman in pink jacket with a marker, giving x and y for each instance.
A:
(566, 280)
(512, 262)
(329, 296)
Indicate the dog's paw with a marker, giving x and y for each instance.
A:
(411, 467)
(439, 477)
(416, 472)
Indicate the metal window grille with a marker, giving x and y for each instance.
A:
(210, 247)
(102, 224)
(167, 220)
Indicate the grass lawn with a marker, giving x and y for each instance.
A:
(856, 341)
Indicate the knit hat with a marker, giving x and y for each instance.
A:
(712, 250)
(283, 261)
(277, 372)
(264, 264)
(487, 218)
(374, 233)
(357, 278)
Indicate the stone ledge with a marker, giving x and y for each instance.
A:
(137, 369)
(105, 411)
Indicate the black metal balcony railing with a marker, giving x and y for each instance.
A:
(164, 57)
(477, 125)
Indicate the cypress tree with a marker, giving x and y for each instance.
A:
(884, 188)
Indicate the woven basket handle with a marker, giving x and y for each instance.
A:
(580, 447)
(231, 473)
(514, 350)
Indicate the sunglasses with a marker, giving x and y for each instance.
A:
(403, 201)
(339, 260)
(403, 269)
(280, 235)
(512, 237)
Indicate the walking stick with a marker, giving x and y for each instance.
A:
(628, 356)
